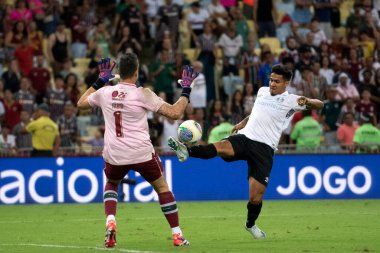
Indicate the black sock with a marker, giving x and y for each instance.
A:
(203, 151)
(253, 213)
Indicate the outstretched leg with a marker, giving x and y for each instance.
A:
(256, 193)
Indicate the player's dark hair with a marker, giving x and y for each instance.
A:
(283, 71)
(128, 64)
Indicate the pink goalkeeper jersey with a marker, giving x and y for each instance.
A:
(125, 107)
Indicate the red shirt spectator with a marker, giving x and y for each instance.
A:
(365, 105)
(24, 55)
(40, 77)
(346, 131)
(12, 109)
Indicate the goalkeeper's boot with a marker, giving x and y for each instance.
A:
(179, 148)
(110, 240)
(179, 240)
(256, 232)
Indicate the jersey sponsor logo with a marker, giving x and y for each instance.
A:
(290, 113)
(116, 95)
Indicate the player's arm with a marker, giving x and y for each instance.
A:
(105, 74)
(175, 111)
(240, 125)
(310, 103)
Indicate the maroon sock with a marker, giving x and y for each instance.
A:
(110, 199)
(169, 208)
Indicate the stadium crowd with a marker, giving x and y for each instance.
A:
(49, 51)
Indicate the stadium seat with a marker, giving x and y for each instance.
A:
(251, 25)
(273, 42)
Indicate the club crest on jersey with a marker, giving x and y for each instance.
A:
(280, 99)
(116, 95)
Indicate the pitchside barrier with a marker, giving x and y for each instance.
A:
(81, 179)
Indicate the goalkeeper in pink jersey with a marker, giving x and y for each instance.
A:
(127, 143)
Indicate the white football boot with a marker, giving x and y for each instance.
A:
(256, 232)
(179, 148)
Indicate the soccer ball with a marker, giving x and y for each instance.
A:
(189, 132)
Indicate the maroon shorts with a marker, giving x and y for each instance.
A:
(150, 170)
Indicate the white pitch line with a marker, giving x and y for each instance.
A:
(77, 247)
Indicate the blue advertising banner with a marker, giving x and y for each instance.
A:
(81, 180)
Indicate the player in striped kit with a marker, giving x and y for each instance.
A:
(127, 143)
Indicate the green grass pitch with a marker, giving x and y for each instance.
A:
(291, 226)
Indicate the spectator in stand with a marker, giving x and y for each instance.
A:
(20, 12)
(52, 10)
(7, 141)
(79, 34)
(217, 113)
(71, 87)
(366, 106)
(264, 15)
(326, 71)
(367, 83)
(319, 34)
(347, 90)
(349, 106)
(249, 63)
(305, 56)
(355, 65)
(249, 98)
(296, 78)
(23, 139)
(1, 89)
(368, 66)
(242, 27)
(323, 11)
(355, 19)
(319, 81)
(198, 94)
(24, 96)
(302, 13)
(199, 116)
(329, 116)
(125, 41)
(155, 129)
(24, 55)
(308, 86)
(12, 76)
(346, 132)
(306, 133)
(162, 73)
(231, 43)
(56, 98)
(133, 18)
(92, 73)
(37, 9)
(291, 49)
(45, 134)
(97, 143)
(59, 48)
(100, 37)
(265, 69)
(206, 46)
(12, 109)
(35, 38)
(40, 79)
(367, 136)
(3, 53)
(68, 129)
(218, 13)
(236, 109)
(196, 19)
(13, 38)
(171, 14)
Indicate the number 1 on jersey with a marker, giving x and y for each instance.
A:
(118, 125)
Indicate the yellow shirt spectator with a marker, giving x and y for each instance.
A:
(44, 131)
